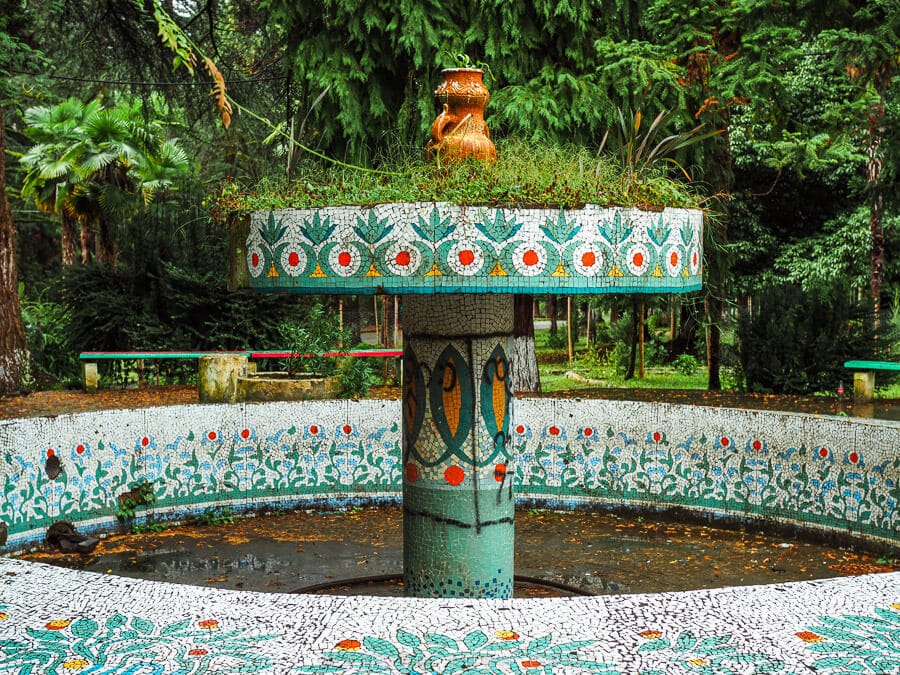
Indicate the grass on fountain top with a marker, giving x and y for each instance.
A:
(525, 175)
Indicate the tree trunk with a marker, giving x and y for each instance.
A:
(351, 319)
(13, 348)
(874, 165)
(525, 375)
(68, 237)
(632, 356)
(552, 313)
(87, 242)
(107, 251)
(714, 342)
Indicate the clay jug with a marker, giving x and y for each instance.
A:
(460, 130)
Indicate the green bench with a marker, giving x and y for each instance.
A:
(864, 377)
(91, 378)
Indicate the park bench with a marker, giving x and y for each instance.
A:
(864, 377)
(91, 379)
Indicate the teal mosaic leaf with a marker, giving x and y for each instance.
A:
(12, 646)
(408, 639)
(475, 639)
(84, 627)
(833, 662)
(436, 228)
(659, 233)
(116, 621)
(654, 645)
(317, 230)
(142, 625)
(130, 646)
(354, 657)
(272, 231)
(499, 229)
(685, 641)
(836, 634)
(45, 635)
(538, 645)
(319, 669)
(888, 614)
(372, 230)
(438, 639)
(562, 230)
(382, 647)
(569, 647)
(614, 232)
(178, 625)
(458, 665)
(713, 641)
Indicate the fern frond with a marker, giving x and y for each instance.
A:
(219, 92)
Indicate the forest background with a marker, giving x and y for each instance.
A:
(118, 170)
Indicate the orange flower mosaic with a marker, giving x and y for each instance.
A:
(507, 635)
(58, 624)
(208, 624)
(348, 645)
(808, 636)
(74, 664)
(650, 634)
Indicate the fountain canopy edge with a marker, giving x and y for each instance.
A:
(440, 247)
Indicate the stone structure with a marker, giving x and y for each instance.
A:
(458, 269)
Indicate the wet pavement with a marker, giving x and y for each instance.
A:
(598, 552)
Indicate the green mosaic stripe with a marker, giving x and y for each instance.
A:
(430, 248)
(458, 543)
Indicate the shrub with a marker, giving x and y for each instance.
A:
(796, 341)
(686, 364)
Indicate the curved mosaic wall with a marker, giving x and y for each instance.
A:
(445, 248)
(824, 472)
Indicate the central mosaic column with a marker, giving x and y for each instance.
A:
(458, 509)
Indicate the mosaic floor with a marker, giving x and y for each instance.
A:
(54, 620)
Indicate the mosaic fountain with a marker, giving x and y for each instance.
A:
(457, 269)
(449, 459)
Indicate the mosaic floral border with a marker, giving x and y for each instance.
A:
(427, 247)
(54, 620)
(828, 473)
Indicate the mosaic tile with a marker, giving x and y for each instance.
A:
(820, 472)
(428, 248)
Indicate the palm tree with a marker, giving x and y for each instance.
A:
(95, 166)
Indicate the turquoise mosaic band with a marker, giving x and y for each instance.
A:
(457, 544)
(430, 248)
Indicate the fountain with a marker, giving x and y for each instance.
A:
(457, 268)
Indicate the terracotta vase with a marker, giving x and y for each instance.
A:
(460, 130)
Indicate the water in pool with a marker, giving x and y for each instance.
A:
(598, 552)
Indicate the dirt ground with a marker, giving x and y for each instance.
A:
(47, 403)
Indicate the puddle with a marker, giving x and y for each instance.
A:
(598, 552)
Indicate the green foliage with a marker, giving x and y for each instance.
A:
(639, 149)
(795, 341)
(530, 174)
(309, 340)
(48, 331)
(356, 376)
(215, 516)
(88, 159)
(686, 364)
(167, 308)
(149, 526)
(140, 494)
